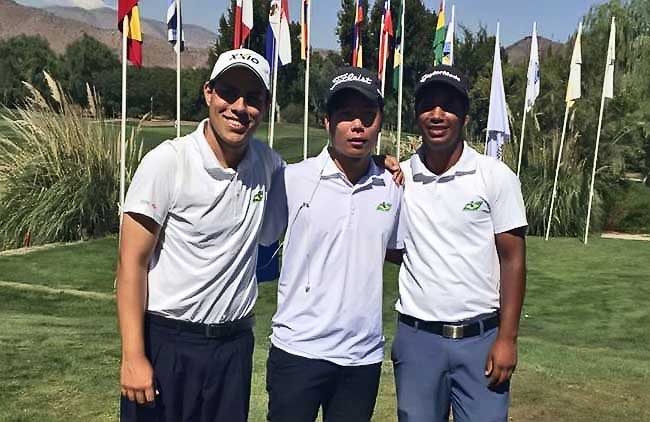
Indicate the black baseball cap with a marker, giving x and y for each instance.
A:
(358, 79)
(444, 74)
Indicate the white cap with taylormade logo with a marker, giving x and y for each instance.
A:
(243, 57)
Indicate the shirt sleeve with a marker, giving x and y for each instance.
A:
(396, 240)
(152, 187)
(507, 208)
(276, 212)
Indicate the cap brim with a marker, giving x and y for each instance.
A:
(247, 66)
(368, 94)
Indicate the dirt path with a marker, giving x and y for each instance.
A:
(625, 236)
(51, 290)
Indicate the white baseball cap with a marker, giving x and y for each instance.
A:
(243, 57)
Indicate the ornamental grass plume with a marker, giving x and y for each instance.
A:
(59, 169)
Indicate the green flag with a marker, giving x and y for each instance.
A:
(441, 33)
(398, 58)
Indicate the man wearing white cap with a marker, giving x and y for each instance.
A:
(186, 274)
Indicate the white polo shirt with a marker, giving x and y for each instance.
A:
(448, 224)
(203, 266)
(330, 287)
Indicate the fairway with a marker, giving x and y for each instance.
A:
(584, 349)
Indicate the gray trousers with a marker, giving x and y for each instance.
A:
(434, 373)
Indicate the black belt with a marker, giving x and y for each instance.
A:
(225, 329)
(453, 330)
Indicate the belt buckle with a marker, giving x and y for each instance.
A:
(454, 332)
(214, 330)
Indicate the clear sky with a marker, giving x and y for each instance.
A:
(556, 19)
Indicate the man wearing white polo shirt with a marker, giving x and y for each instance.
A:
(462, 280)
(340, 211)
(188, 247)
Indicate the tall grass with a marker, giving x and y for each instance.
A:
(59, 169)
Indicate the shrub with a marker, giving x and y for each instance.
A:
(59, 170)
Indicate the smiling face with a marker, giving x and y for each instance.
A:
(441, 114)
(237, 101)
(353, 124)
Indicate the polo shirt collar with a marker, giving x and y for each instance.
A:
(466, 165)
(210, 161)
(331, 171)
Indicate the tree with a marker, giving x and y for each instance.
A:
(82, 61)
(24, 58)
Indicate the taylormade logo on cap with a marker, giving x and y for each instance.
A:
(439, 73)
(349, 77)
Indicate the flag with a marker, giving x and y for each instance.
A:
(573, 87)
(134, 33)
(608, 84)
(357, 46)
(386, 33)
(533, 79)
(243, 22)
(397, 58)
(439, 38)
(498, 129)
(277, 33)
(304, 29)
(448, 48)
(172, 26)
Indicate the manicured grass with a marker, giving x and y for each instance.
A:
(584, 348)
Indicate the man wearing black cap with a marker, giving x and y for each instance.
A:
(462, 280)
(186, 275)
(340, 212)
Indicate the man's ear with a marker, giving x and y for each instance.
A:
(326, 122)
(207, 93)
(466, 120)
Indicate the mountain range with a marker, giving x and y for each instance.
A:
(63, 25)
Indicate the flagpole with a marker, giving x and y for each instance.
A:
(383, 66)
(557, 172)
(521, 141)
(306, 118)
(179, 40)
(593, 170)
(125, 32)
(401, 83)
(605, 93)
(276, 53)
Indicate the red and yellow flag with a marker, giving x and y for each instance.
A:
(134, 34)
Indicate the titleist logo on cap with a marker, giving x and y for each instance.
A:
(350, 77)
(439, 72)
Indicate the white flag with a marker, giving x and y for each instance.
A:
(448, 48)
(498, 129)
(277, 34)
(573, 91)
(172, 26)
(532, 87)
(608, 84)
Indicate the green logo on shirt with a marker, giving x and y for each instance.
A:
(384, 206)
(473, 206)
(258, 196)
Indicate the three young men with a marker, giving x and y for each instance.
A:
(188, 248)
(462, 280)
(193, 219)
(340, 212)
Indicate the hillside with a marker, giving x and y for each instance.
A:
(519, 52)
(60, 32)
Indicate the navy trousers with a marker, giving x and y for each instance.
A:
(299, 386)
(198, 378)
(434, 373)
